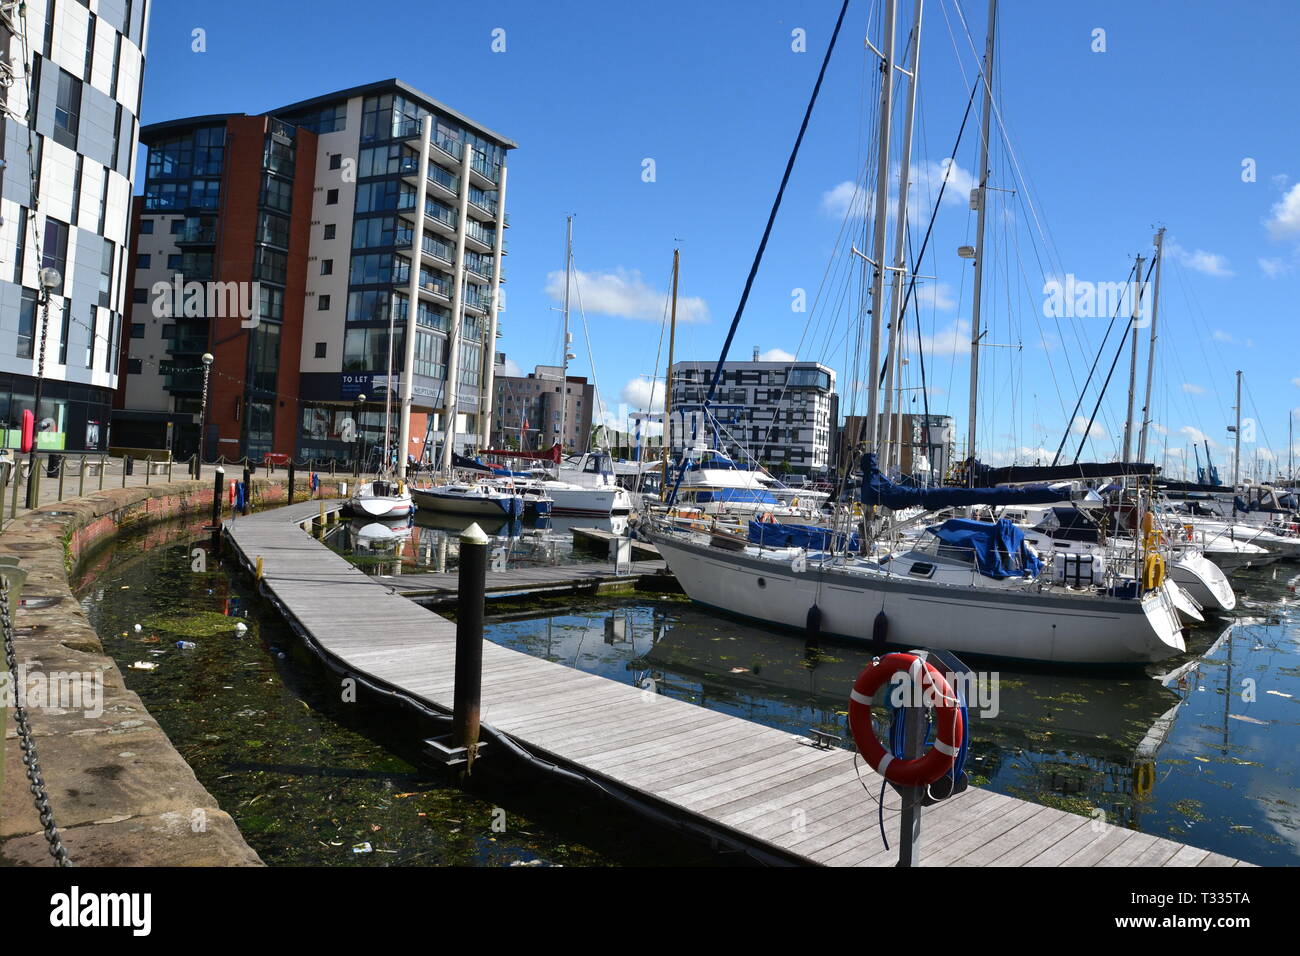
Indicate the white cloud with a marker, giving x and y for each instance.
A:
(1284, 218)
(1273, 268)
(1191, 389)
(840, 200)
(929, 176)
(1296, 382)
(1221, 336)
(643, 395)
(955, 340)
(776, 355)
(622, 293)
(848, 198)
(1080, 423)
(1195, 435)
(938, 295)
(1210, 263)
(1159, 429)
(512, 369)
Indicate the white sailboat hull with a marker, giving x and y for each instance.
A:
(1204, 581)
(589, 501)
(1047, 627)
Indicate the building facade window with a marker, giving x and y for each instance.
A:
(67, 110)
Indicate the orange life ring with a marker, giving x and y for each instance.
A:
(936, 761)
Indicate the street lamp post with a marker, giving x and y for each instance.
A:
(203, 410)
(50, 280)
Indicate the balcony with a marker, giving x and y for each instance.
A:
(188, 345)
(196, 236)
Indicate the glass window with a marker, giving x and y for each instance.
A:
(67, 110)
(277, 193)
(369, 306)
(27, 324)
(271, 303)
(272, 229)
(54, 251)
(105, 275)
(270, 264)
(322, 303)
(143, 260)
(146, 227)
(278, 156)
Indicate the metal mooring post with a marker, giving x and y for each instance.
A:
(248, 486)
(471, 583)
(909, 823)
(218, 486)
(291, 476)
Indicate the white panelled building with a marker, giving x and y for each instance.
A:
(76, 68)
(769, 412)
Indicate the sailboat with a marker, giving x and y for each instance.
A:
(975, 588)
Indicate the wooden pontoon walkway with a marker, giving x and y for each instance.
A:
(744, 783)
(566, 577)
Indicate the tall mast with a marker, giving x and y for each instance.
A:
(975, 333)
(1133, 358)
(1236, 454)
(881, 211)
(564, 365)
(894, 353)
(1151, 348)
(668, 378)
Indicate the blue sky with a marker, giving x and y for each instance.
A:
(1107, 144)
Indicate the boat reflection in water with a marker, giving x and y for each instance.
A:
(1082, 743)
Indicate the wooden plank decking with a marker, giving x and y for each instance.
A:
(568, 577)
(739, 780)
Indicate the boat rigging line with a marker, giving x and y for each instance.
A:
(767, 232)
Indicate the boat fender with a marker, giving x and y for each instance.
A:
(813, 623)
(879, 633)
(948, 730)
(1153, 572)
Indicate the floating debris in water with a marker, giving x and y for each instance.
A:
(144, 666)
(363, 848)
(1249, 720)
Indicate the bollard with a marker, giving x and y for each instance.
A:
(126, 468)
(170, 462)
(322, 515)
(18, 480)
(103, 467)
(291, 473)
(62, 469)
(81, 484)
(248, 487)
(195, 467)
(332, 463)
(4, 482)
(469, 641)
(218, 486)
(148, 467)
(259, 567)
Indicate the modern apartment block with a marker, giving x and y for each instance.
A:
(926, 449)
(305, 234)
(528, 410)
(71, 75)
(770, 412)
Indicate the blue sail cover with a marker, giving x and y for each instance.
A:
(999, 549)
(812, 537)
(879, 490)
(747, 496)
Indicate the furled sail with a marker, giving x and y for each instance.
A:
(877, 489)
(1082, 471)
